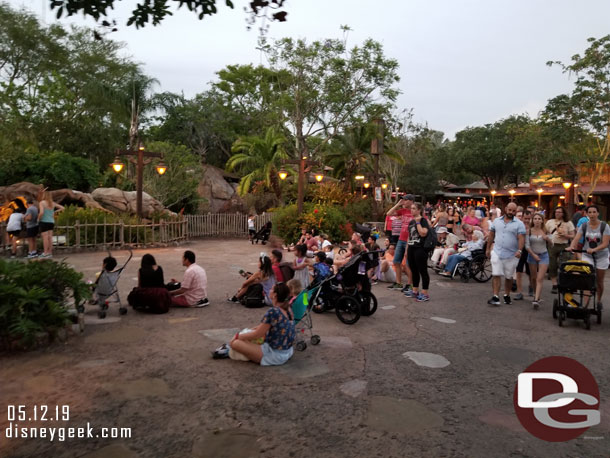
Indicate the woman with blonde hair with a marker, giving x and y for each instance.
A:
(46, 220)
(536, 240)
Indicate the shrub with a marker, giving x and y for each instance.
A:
(359, 211)
(33, 297)
(320, 218)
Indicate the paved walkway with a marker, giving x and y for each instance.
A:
(415, 379)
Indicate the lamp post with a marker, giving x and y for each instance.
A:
(493, 195)
(567, 185)
(303, 163)
(137, 157)
(539, 191)
(512, 195)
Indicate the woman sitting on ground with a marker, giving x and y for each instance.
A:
(264, 277)
(276, 327)
(151, 294)
(150, 274)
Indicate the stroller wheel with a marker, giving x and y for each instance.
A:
(369, 303)
(562, 317)
(315, 339)
(101, 314)
(587, 320)
(599, 316)
(123, 311)
(555, 305)
(301, 346)
(347, 309)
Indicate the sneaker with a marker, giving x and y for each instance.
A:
(421, 297)
(32, 255)
(233, 299)
(536, 304)
(395, 286)
(495, 300)
(507, 300)
(411, 293)
(406, 288)
(554, 289)
(518, 297)
(202, 303)
(221, 352)
(444, 273)
(530, 291)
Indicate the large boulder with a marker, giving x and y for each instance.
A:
(218, 191)
(61, 196)
(118, 201)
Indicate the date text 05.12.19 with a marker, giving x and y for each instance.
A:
(38, 413)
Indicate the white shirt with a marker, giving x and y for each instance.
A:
(14, 222)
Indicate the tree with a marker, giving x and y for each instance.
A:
(158, 10)
(585, 113)
(260, 158)
(499, 154)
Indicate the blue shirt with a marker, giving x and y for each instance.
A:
(506, 240)
(280, 335)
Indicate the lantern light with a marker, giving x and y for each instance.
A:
(282, 173)
(117, 165)
(161, 168)
(319, 176)
(367, 184)
(567, 185)
(384, 186)
(359, 177)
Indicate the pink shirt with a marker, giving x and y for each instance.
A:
(195, 282)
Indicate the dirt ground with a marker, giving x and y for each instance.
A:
(358, 393)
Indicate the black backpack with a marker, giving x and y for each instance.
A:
(431, 239)
(254, 297)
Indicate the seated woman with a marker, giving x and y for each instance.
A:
(150, 294)
(276, 327)
(263, 278)
(353, 248)
(463, 253)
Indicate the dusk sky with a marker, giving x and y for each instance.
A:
(462, 62)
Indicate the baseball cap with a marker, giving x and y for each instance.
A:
(441, 230)
(408, 197)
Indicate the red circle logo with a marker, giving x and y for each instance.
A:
(557, 399)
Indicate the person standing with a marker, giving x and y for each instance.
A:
(596, 235)
(193, 289)
(538, 256)
(251, 228)
(561, 231)
(508, 238)
(523, 268)
(31, 226)
(403, 210)
(417, 256)
(13, 229)
(46, 222)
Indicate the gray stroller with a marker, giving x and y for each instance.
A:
(107, 291)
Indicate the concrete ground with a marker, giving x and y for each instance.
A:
(366, 390)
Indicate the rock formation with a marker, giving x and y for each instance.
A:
(220, 194)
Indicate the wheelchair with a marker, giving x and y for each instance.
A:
(478, 268)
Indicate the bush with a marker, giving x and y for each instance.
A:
(33, 297)
(359, 211)
(327, 219)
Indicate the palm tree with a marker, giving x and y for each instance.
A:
(259, 158)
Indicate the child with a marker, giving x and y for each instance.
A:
(328, 250)
(251, 229)
(276, 259)
(301, 265)
(321, 269)
(108, 265)
(295, 289)
(13, 229)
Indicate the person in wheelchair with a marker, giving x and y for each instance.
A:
(447, 245)
(464, 254)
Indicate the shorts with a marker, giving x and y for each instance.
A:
(32, 231)
(544, 258)
(251, 231)
(522, 265)
(14, 233)
(394, 239)
(389, 276)
(273, 357)
(503, 267)
(45, 227)
(388, 233)
(401, 249)
(601, 262)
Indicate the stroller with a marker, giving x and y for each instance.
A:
(576, 277)
(301, 309)
(349, 291)
(106, 290)
(263, 234)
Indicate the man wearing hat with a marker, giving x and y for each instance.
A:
(402, 209)
(447, 246)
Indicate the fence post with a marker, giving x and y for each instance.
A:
(77, 234)
(121, 233)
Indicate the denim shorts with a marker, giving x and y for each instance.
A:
(401, 248)
(544, 258)
(273, 357)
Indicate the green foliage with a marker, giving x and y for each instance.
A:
(359, 210)
(33, 297)
(328, 219)
(55, 170)
(327, 193)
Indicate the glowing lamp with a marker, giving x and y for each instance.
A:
(567, 185)
(117, 165)
(319, 176)
(283, 174)
(161, 168)
(367, 184)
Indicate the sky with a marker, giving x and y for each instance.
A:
(462, 62)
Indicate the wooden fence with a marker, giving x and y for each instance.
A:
(104, 235)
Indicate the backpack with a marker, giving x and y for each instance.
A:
(254, 297)
(431, 239)
(287, 271)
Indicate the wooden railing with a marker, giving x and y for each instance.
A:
(104, 235)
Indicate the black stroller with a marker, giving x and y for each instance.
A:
(576, 277)
(349, 291)
(263, 234)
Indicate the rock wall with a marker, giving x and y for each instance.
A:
(220, 194)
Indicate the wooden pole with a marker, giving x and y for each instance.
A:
(139, 173)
